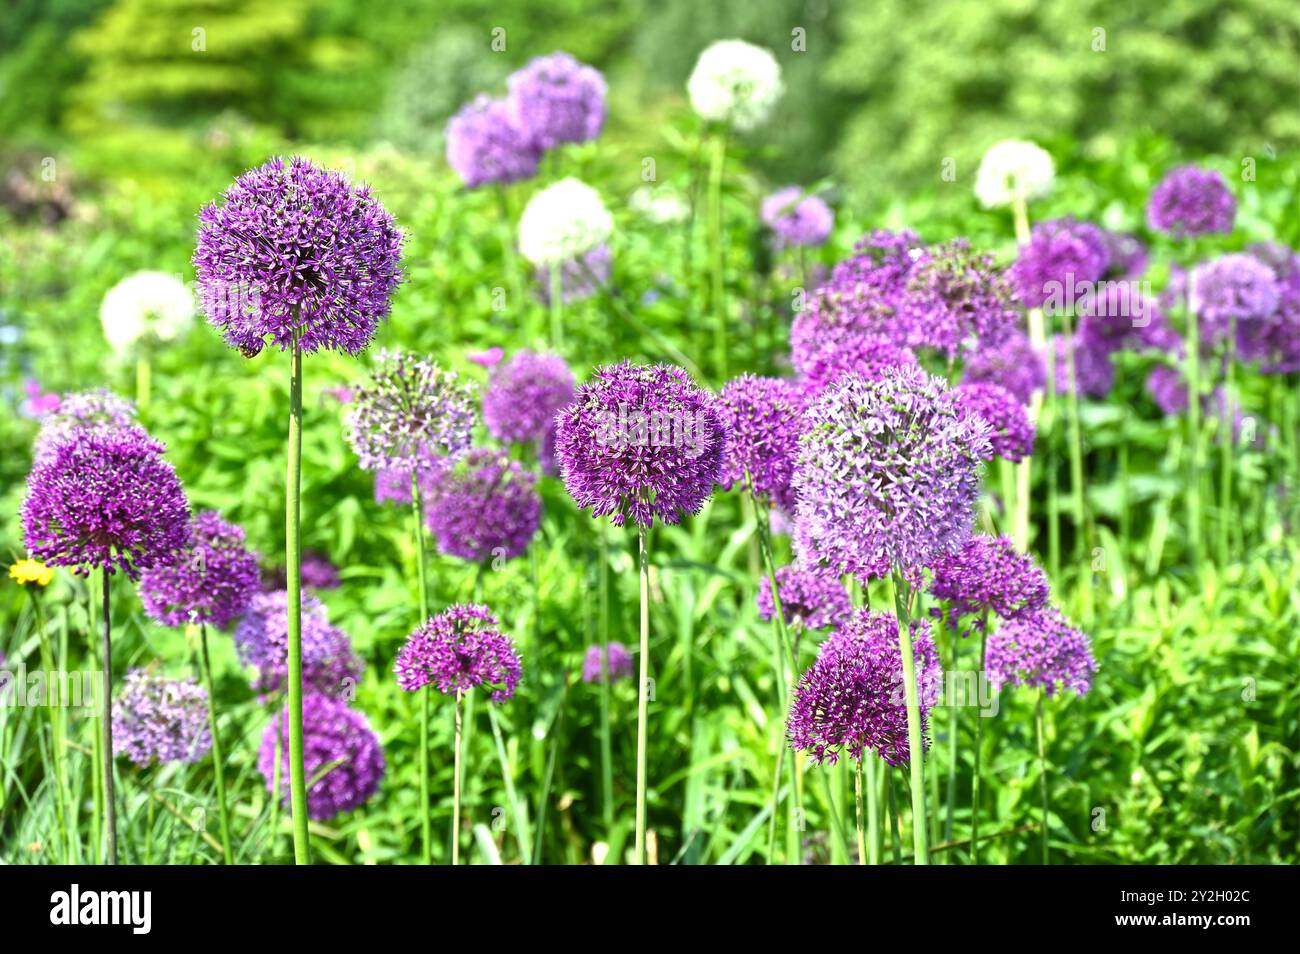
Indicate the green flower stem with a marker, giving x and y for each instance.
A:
(1226, 448)
(143, 379)
(277, 783)
(97, 738)
(110, 804)
(606, 745)
(1193, 488)
(54, 714)
(643, 688)
(455, 787)
(953, 722)
(512, 796)
(1038, 337)
(1042, 768)
(426, 704)
(858, 813)
(1081, 527)
(509, 257)
(556, 275)
(916, 754)
(975, 773)
(874, 840)
(293, 561)
(893, 822)
(218, 762)
(717, 253)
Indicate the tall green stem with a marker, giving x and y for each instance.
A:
(975, 775)
(53, 711)
(873, 807)
(218, 762)
(110, 804)
(556, 277)
(455, 787)
(1081, 531)
(858, 813)
(1038, 338)
(1042, 768)
(1226, 448)
(643, 690)
(606, 745)
(717, 253)
(916, 754)
(1193, 488)
(426, 704)
(293, 562)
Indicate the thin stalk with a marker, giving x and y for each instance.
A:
(717, 254)
(110, 805)
(953, 713)
(143, 380)
(1226, 445)
(1042, 768)
(858, 813)
(975, 775)
(277, 784)
(455, 788)
(293, 573)
(606, 745)
(1081, 532)
(218, 762)
(507, 777)
(1193, 490)
(508, 254)
(555, 274)
(1038, 337)
(873, 807)
(53, 712)
(426, 704)
(893, 822)
(643, 687)
(97, 744)
(916, 755)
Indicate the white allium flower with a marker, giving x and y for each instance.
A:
(562, 222)
(1013, 169)
(146, 303)
(661, 205)
(735, 82)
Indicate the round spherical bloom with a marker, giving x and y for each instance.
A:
(484, 508)
(524, 394)
(1120, 316)
(797, 219)
(1275, 342)
(262, 641)
(1054, 268)
(812, 598)
(1126, 256)
(1013, 169)
(580, 277)
(460, 648)
(888, 472)
(210, 581)
(555, 99)
(866, 355)
(1094, 371)
(852, 698)
(954, 299)
(562, 222)
(99, 411)
(1189, 201)
(1167, 388)
(736, 83)
(611, 666)
(410, 410)
(1013, 363)
(1231, 290)
(639, 442)
(153, 304)
(295, 253)
(393, 484)
(316, 571)
(486, 146)
(1040, 648)
(106, 500)
(761, 417)
(1011, 433)
(989, 575)
(487, 359)
(160, 720)
(341, 753)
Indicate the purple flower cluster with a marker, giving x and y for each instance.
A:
(297, 254)
(556, 99)
(486, 146)
(262, 640)
(1189, 201)
(1094, 372)
(580, 277)
(524, 394)
(316, 571)
(484, 508)
(1013, 363)
(864, 355)
(1011, 433)
(457, 650)
(1275, 341)
(813, 599)
(210, 581)
(956, 300)
(1061, 255)
(1126, 257)
(99, 411)
(1232, 291)
(988, 575)
(797, 219)
(1040, 648)
(336, 741)
(160, 720)
(613, 662)
(639, 442)
(852, 698)
(761, 417)
(1168, 389)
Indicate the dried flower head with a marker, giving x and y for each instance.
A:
(563, 222)
(1011, 170)
(146, 304)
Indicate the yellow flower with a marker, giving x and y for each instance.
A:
(31, 571)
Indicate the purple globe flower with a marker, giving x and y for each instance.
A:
(1120, 316)
(615, 665)
(99, 411)
(1126, 255)
(317, 571)
(1275, 342)
(762, 416)
(865, 355)
(341, 753)
(1232, 291)
(293, 252)
(555, 99)
(852, 698)
(1189, 201)
(485, 146)
(105, 499)
(797, 220)
(262, 640)
(956, 300)
(1012, 363)
(1167, 388)
(211, 581)
(160, 720)
(1040, 648)
(580, 277)
(639, 442)
(524, 394)
(988, 575)
(1094, 372)
(1052, 269)
(485, 508)
(1011, 433)
(459, 649)
(888, 472)
(813, 599)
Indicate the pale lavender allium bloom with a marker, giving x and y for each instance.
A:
(1094, 371)
(1127, 256)
(1189, 201)
(485, 145)
(1013, 363)
(1168, 389)
(811, 598)
(988, 575)
(556, 99)
(484, 508)
(460, 649)
(1040, 648)
(762, 417)
(210, 581)
(98, 411)
(524, 394)
(329, 665)
(1054, 267)
(1275, 342)
(796, 219)
(1232, 291)
(160, 720)
(599, 666)
(1011, 433)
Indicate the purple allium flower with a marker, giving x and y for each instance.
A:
(1011, 433)
(1126, 255)
(1167, 388)
(317, 570)
(336, 741)
(988, 575)
(618, 664)
(524, 394)
(410, 410)
(460, 648)
(1189, 201)
(293, 252)
(580, 277)
(1231, 290)
(97, 411)
(1275, 342)
(955, 299)
(486, 146)
(815, 599)
(639, 442)
(1040, 648)
(210, 581)
(555, 99)
(162, 720)
(888, 472)
(1120, 316)
(262, 640)
(761, 417)
(852, 698)
(484, 508)
(108, 500)
(1094, 371)
(1013, 363)
(865, 355)
(797, 219)
(1054, 267)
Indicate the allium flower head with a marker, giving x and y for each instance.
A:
(562, 222)
(612, 666)
(293, 251)
(262, 640)
(812, 598)
(1011, 432)
(639, 442)
(458, 650)
(486, 146)
(988, 575)
(1189, 201)
(105, 500)
(888, 472)
(1231, 289)
(956, 299)
(1167, 388)
(317, 571)
(1094, 371)
(1275, 342)
(99, 411)
(1061, 255)
(1040, 648)
(1013, 363)
(736, 83)
(866, 355)
(852, 698)
(336, 741)
(524, 394)
(160, 720)
(1013, 169)
(761, 416)
(797, 219)
(410, 409)
(210, 581)
(580, 277)
(1126, 256)
(483, 508)
(153, 304)
(555, 99)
